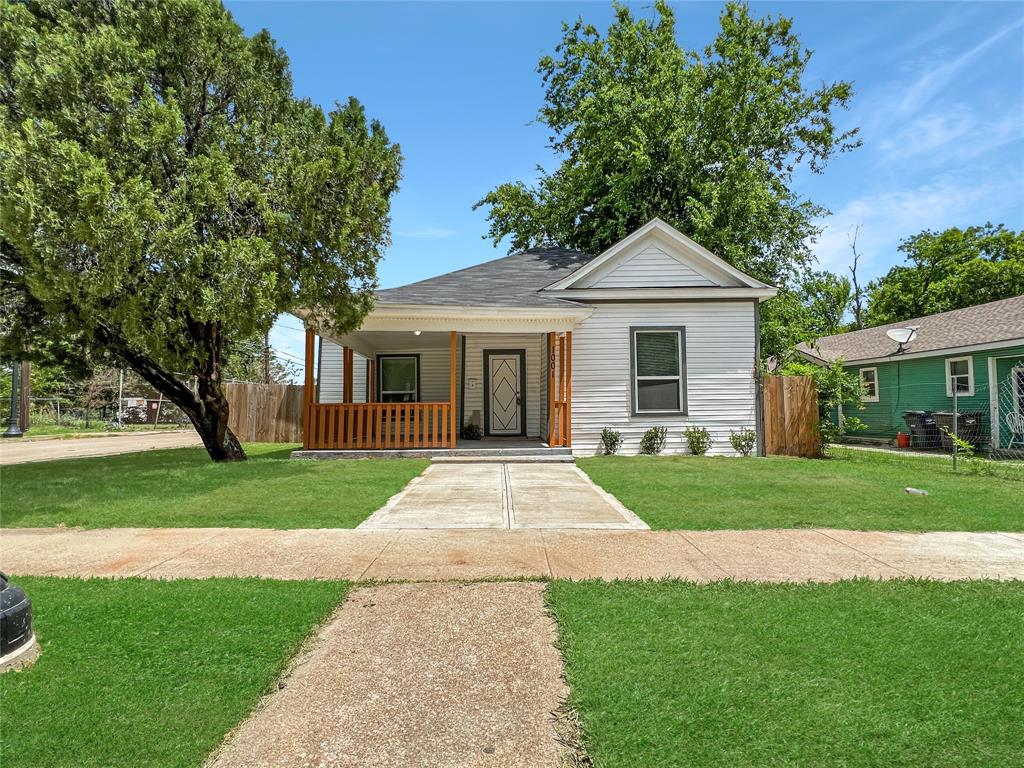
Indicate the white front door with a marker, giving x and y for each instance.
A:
(505, 400)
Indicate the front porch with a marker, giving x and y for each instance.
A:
(411, 393)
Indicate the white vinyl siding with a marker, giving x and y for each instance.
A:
(652, 267)
(720, 388)
(332, 374)
(535, 397)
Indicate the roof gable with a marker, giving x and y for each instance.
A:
(648, 264)
(656, 256)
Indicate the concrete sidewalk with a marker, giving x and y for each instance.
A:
(14, 451)
(417, 675)
(503, 495)
(763, 555)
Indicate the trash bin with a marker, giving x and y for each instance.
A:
(923, 431)
(969, 426)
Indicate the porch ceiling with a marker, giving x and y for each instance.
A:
(379, 340)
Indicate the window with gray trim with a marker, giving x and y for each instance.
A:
(659, 370)
(399, 378)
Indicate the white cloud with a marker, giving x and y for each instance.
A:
(426, 233)
(888, 217)
(956, 130)
(937, 76)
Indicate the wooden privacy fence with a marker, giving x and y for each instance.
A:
(265, 413)
(791, 421)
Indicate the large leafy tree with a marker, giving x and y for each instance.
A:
(707, 140)
(164, 193)
(948, 270)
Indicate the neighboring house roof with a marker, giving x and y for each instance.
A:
(990, 323)
(512, 281)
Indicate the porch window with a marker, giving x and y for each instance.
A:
(659, 370)
(399, 378)
(869, 383)
(960, 376)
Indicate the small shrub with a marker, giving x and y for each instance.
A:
(832, 433)
(743, 442)
(470, 432)
(698, 440)
(653, 441)
(610, 441)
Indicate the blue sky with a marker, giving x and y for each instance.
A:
(939, 99)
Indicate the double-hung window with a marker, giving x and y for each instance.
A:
(960, 376)
(399, 378)
(869, 383)
(658, 368)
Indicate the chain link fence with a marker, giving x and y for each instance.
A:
(977, 426)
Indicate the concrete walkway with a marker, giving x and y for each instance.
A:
(768, 555)
(417, 675)
(503, 495)
(15, 451)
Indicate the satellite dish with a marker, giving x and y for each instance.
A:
(902, 336)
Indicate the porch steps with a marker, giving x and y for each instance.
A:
(505, 454)
(504, 459)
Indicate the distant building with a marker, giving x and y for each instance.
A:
(976, 353)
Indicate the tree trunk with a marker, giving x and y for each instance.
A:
(211, 422)
(206, 408)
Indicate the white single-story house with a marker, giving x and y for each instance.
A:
(545, 347)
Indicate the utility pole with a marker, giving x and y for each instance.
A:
(266, 357)
(956, 418)
(14, 420)
(120, 397)
(26, 394)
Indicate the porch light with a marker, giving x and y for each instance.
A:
(416, 333)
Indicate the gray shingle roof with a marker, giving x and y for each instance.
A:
(983, 324)
(512, 281)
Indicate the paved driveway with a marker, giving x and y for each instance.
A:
(18, 451)
(503, 496)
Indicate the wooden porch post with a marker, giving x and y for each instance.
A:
(308, 391)
(561, 389)
(551, 388)
(371, 381)
(568, 389)
(348, 362)
(452, 437)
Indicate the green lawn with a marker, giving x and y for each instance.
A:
(182, 487)
(96, 427)
(850, 674)
(150, 673)
(852, 489)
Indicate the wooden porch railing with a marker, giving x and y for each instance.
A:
(378, 425)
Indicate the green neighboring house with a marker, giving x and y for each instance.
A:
(976, 353)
